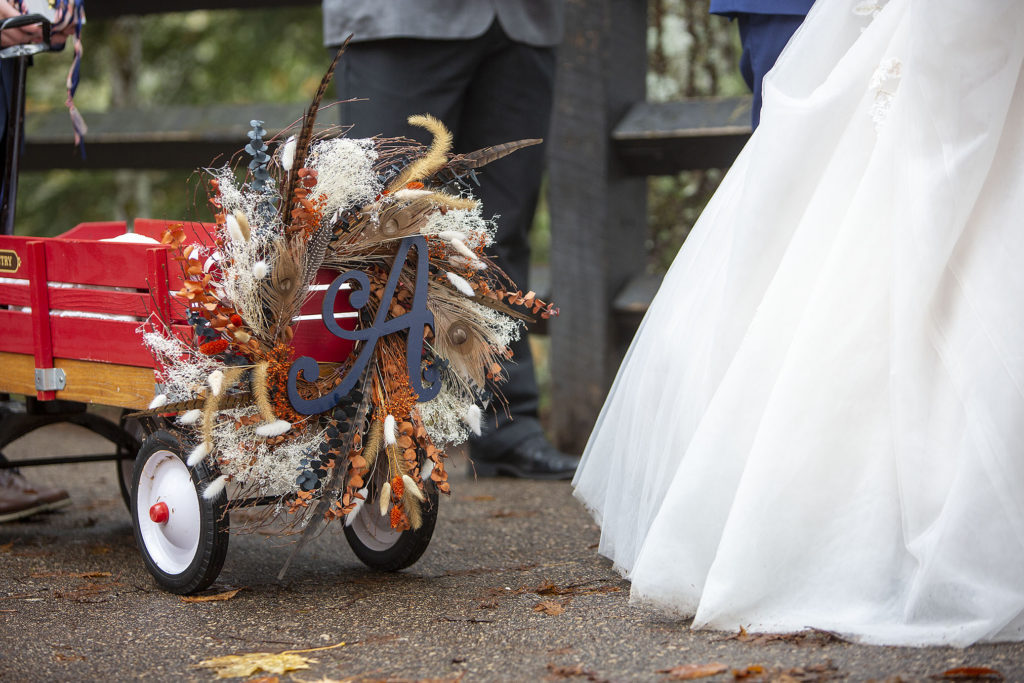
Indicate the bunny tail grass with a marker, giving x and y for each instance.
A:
(198, 453)
(359, 503)
(385, 498)
(215, 487)
(275, 428)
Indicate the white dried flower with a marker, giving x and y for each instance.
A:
(472, 418)
(412, 487)
(190, 417)
(260, 269)
(460, 284)
(288, 153)
(234, 231)
(275, 428)
(390, 433)
(426, 470)
(198, 453)
(159, 401)
(216, 382)
(215, 487)
(358, 503)
(461, 247)
(243, 223)
(385, 498)
(462, 262)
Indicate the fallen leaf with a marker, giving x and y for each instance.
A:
(240, 666)
(71, 575)
(61, 657)
(549, 588)
(226, 595)
(807, 637)
(818, 673)
(747, 672)
(93, 592)
(689, 672)
(549, 607)
(971, 673)
(572, 672)
(501, 514)
(481, 499)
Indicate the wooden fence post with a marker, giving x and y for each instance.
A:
(598, 212)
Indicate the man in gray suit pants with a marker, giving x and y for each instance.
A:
(485, 68)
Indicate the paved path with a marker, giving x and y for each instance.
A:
(468, 610)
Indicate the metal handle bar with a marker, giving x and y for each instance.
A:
(27, 48)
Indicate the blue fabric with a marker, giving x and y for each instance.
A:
(732, 7)
(7, 69)
(763, 37)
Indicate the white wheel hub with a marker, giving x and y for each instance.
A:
(374, 529)
(171, 544)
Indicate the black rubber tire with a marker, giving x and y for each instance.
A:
(125, 467)
(406, 549)
(213, 521)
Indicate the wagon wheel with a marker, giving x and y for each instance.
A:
(380, 547)
(183, 537)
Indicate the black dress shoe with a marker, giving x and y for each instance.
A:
(533, 458)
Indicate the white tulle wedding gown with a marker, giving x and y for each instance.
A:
(821, 420)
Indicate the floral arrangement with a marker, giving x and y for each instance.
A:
(393, 226)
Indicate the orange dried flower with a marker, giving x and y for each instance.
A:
(396, 517)
(212, 348)
(397, 487)
(236, 320)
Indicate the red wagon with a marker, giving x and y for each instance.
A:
(263, 397)
(72, 309)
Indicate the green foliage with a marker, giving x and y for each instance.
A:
(690, 54)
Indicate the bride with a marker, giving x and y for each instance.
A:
(820, 422)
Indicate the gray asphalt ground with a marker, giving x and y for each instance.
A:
(77, 604)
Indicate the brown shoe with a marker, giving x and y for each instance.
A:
(19, 498)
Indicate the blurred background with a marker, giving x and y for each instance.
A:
(188, 75)
(204, 58)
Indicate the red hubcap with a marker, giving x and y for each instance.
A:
(159, 513)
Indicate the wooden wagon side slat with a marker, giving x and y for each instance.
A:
(108, 384)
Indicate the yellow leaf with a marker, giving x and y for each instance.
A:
(240, 666)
